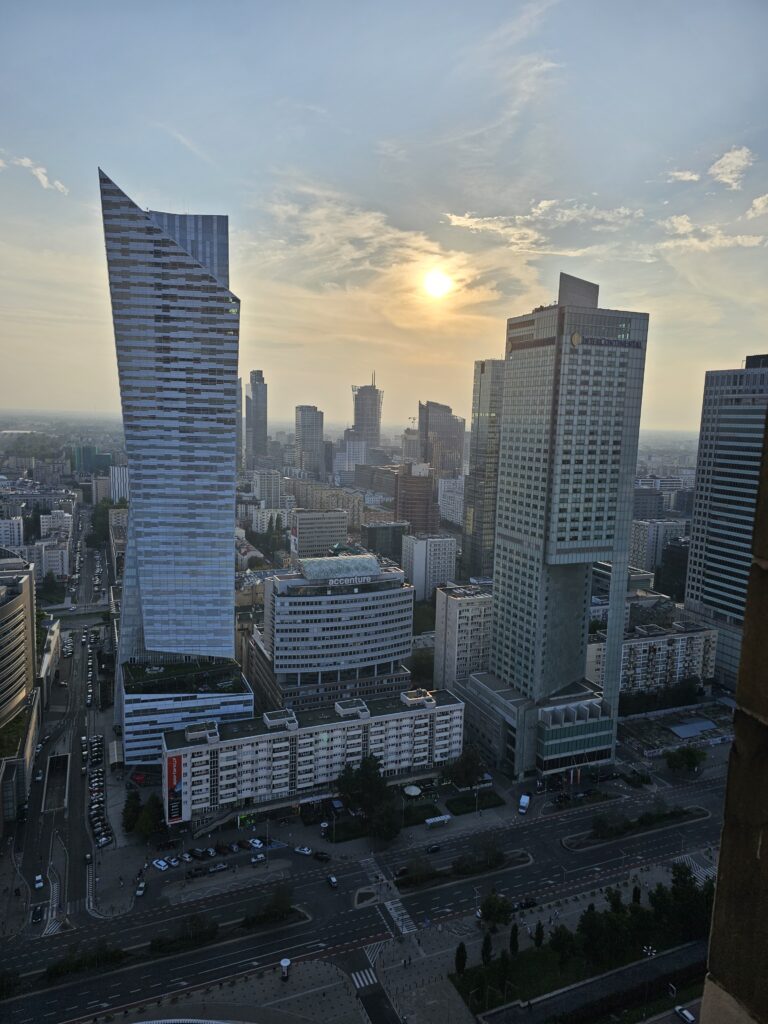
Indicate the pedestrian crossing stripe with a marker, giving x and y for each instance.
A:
(365, 978)
(373, 952)
(400, 916)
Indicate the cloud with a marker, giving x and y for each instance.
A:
(3, 164)
(678, 224)
(758, 208)
(184, 141)
(683, 176)
(730, 169)
(391, 150)
(41, 173)
(707, 239)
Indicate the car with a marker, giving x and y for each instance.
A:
(234, 847)
(186, 858)
(39, 883)
(84, 770)
(685, 1015)
(244, 844)
(39, 777)
(401, 872)
(222, 849)
(255, 844)
(160, 864)
(197, 853)
(38, 748)
(141, 888)
(434, 848)
(210, 852)
(195, 873)
(172, 862)
(305, 851)
(104, 840)
(88, 701)
(37, 914)
(333, 881)
(526, 904)
(215, 868)
(258, 858)
(46, 737)
(88, 858)
(322, 856)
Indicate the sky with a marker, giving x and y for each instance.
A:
(358, 148)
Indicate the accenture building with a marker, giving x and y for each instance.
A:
(338, 628)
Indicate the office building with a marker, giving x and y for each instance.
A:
(441, 438)
(428, 562)
(335, 629)
(568, 450)
(119, 485)
(266, 485)
(368, 399)
(384, 539)
(482, 480)
(309, 447)
(18, 658)
(462, 633)
(256, 444)
(733, 419)
(648, 503)
(12, 532)
(415, 498)
(315, 531)
(450, 499)
(286, 758)
(101, 487)
(653, 657)
(670, 575)
(118, 540)
(648, 539)
(176, 327)
(239, 422)
(411, 446)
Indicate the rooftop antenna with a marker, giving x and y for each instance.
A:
(373, 379)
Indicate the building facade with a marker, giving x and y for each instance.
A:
(12, 532)
(450, 499)
(653, 658)
(119, 484)
(568, 450)
(283, 757)
(309, 447)
(733, 419)
(441, 438)
(256, 396)
(649, 538)
(368, 400)
(267, 487)
(384, 539)
(428, 563)
(315, 531)
(482, 480)
(335, 629)
(18, 657)
(462, 633)
(415, 498)
(648, 503)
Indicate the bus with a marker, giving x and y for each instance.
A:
(443, 819)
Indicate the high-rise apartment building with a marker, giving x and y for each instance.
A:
(462, 633)
(441, 438)
(428, 562)
(733, 418)
(481, 483)
(648, 503)
(654, 657)
(336, 629)
(176, 326)
(255, 419)
(648, 539)
(368, 400)
(267, 487)
(12, 532)
(309, 445)
(568, 450)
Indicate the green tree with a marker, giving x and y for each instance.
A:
(495, 909)
(615, 901)
(486, 951)
(151, 817)
(563, 943)
(538, 935)
(467, 769)
(636, 894)
(384, 821)
(131, 810)
(372, 787)
(514, 940)
(347, 785)
(460, 959)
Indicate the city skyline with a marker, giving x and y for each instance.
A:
(409, 235)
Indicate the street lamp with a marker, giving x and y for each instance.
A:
(650, 953)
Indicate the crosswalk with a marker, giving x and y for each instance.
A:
(364, 978)
(371, 869)
(400, 916)
(701, 872)
(373, 952)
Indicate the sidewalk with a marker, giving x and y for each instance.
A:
(14, 909)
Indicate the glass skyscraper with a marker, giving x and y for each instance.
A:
(176, 327)
(482, 479)
(367, 400)
(255, 419)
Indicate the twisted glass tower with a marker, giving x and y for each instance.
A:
(176, 327)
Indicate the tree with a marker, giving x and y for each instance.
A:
(514, 941)
(422, 665)
(615, 901)
(563, 943)
(151, 817)
(486, 952)
(538, 935)
(346, 785)
(467, 769)
(685, 758)
(460, 959)
(495, 909)
(131, 810)
(384, 821)
(372, 787)
(636, 894)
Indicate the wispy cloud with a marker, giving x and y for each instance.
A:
(708, 238)
(185, 141)
(525, 231)
(758, 208)
(683, 176)
(41, 174)
(731, 167)
(678, 224)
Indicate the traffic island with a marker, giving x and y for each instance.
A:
(607, 828)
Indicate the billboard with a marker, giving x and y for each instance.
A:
(173, 770)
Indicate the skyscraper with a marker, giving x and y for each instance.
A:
(482, 481)
(368, 400)
(570, 422)
(239, 442)
(441, 438)
(176, 327)
(255, 419)
(733, 419)
(309, 446)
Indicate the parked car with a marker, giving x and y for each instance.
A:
(39, 883)
(186, 858)
(210, 852)
(434, 848)
(160, 864)
(88, 858)
(333, 881)
(259, 858)
(244, 844)
(37, 914)
(215, 868)
(172, 862)
(141, 888)
(305, 851)
(322, 856)
(255, 844)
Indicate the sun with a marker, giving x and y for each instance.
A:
(437, 284)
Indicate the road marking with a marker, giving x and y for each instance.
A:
(365, 978)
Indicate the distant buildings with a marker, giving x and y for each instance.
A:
(649, 538)
(653, 658)
(12, 532)
(671, 573)
(441, 438)
(368, 401)
(411, 446)
(482, 480)
(648, 503)
(733, 420)
(335, 629)
(255, 419)
(415, 498)
(567, 460)
(450, 499)
(315, 531)
(428, 562)
(267, 487)
(119, 485)
(18, 659)
(384, 539)
(309, 452)
(462, 633)
(176, 329)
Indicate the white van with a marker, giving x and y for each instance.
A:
(685, 1015)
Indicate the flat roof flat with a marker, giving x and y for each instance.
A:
(224, 676)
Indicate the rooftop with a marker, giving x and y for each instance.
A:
(339, 567)
(224, 676)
